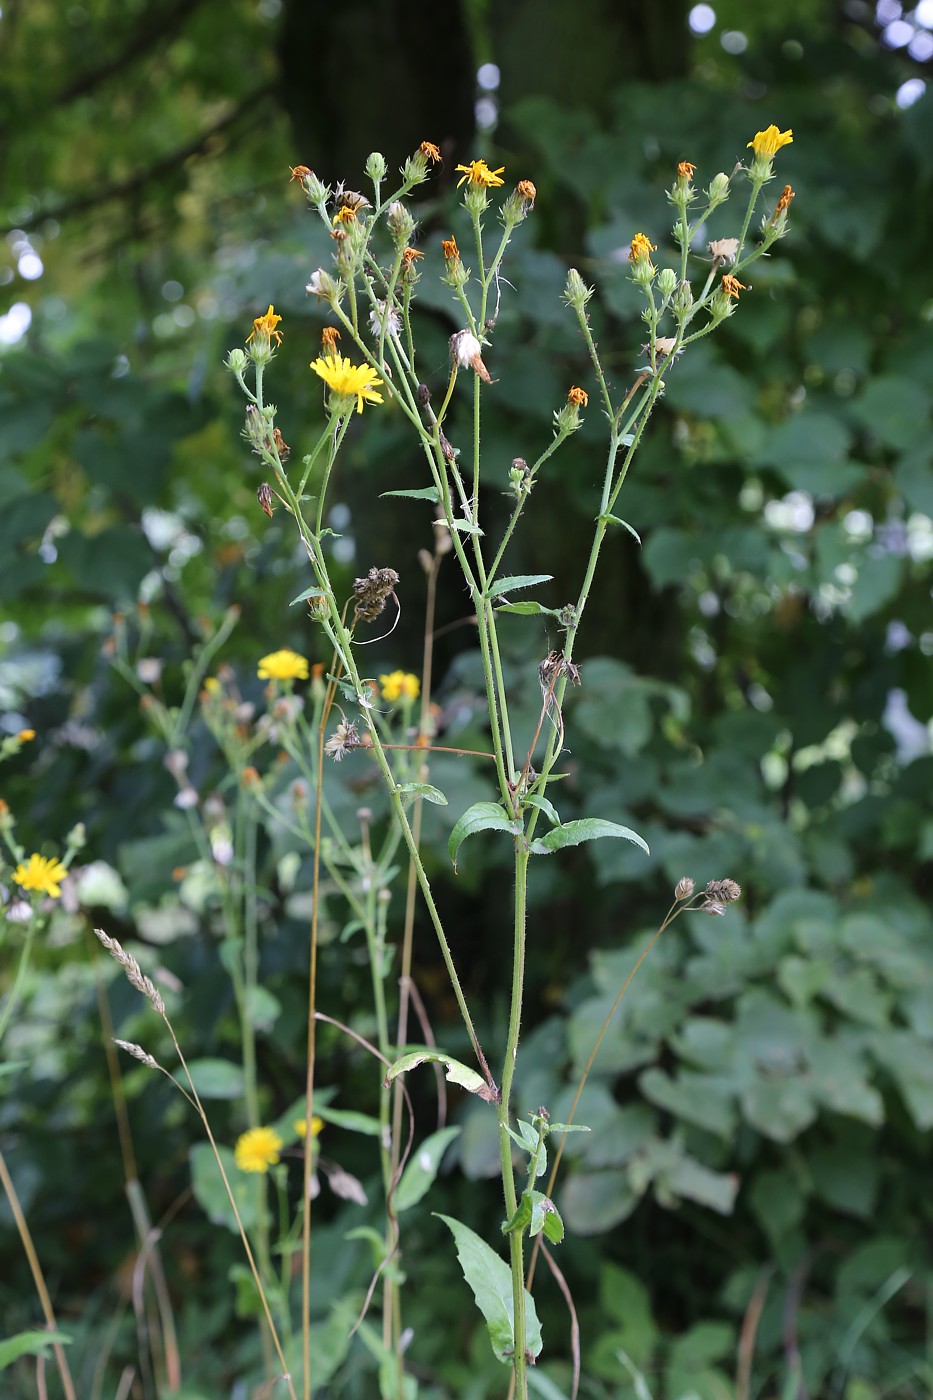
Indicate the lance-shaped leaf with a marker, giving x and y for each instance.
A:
(615, 520)
(514, 581)
(491, 1281)
(455, 1071)
(482, 816)
(421, 493)
(527, 609)
(586, 829)
(536, 1212)
(420, 1172)
(408, 791)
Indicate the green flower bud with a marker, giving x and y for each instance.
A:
(667, 282)
(718, 189)
(375, 168)
(682, 300)
(236, 361)
(576, 292)
(400, 223)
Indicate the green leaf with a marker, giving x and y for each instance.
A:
(544, 805)
(482, 816)
(303, 597)
(33, 1343)
(217, 1079)
(466, 527)
(506, 585)
(456, 1071)
(419, 1174)
(527, 609)
(350, 1119)
(490, 1279)
(614, 520)
(595, 1201)
(423, 493)
(425, 790)
(553, 1225)
(211, 1193)
(586, 829)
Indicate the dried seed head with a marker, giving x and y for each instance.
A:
(555, 665)
(264, 497)
(713, 907)
(133, 971)
(344, 738)
(373, 592)
(684, 887)
(423, 395)
(725, 891)
(466, 350)
(137, 1052)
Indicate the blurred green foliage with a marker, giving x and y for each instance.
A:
(756, 691)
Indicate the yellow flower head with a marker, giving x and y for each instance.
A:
(348, 380)
(478, 173)
(685, 170)
(641, 248)
(41, 874)
(400, 685)
(428, 148)
(257, 1149)
(266, 326)
(345, 215)
(579, 397)
(767, 143)
(732, 286)
(449, 247)
(300, 1126)
(25, 735)
(283, 665)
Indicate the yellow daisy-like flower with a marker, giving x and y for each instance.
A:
(345, 215)
(400, 685)
(348, 380)
(300, 1126)
(257, 1149)
(478, 173)
(41, 874)
(767, 143)
(266, 326)
(641, 249)
(284, 665)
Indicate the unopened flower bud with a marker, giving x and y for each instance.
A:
(519, 478)
(576, 292)
(682, 300)
(718, 189)
(236, 361)
(400, 223)
(375, 167)
(667, 282)
(318, 193)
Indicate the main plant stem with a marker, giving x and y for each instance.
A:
(516, 1260)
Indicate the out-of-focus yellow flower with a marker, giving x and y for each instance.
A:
(300, 1126)
(257, 1149)
(400, 685)
(41, 874)
(285, 665)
